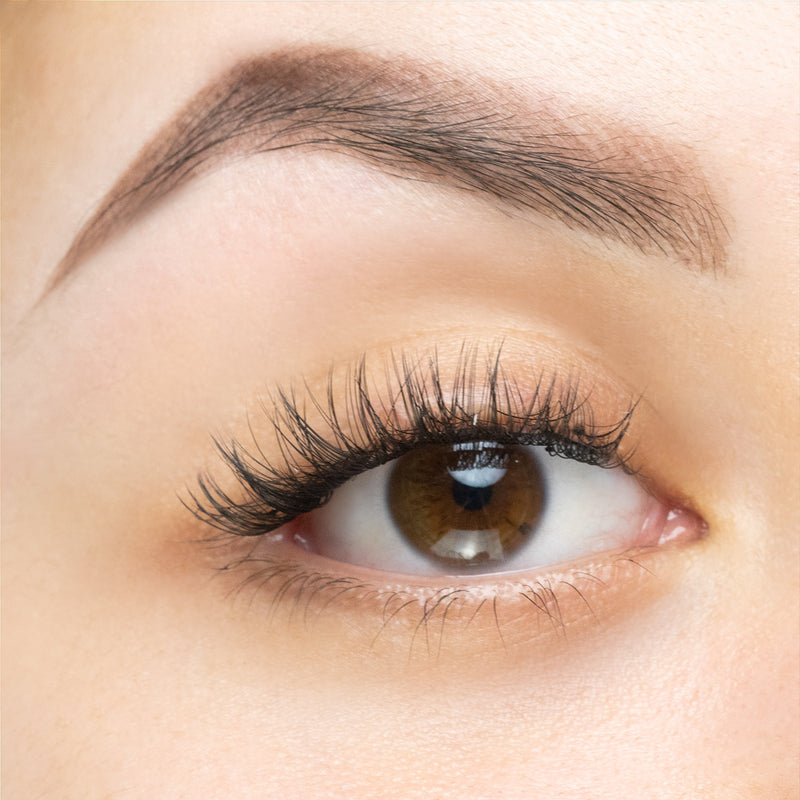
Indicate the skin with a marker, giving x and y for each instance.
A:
(131, 671)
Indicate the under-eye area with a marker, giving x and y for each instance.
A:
(434, 500)
(362, 611)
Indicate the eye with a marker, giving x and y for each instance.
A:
(479, 507)
(428, 490)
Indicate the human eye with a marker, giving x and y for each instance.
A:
(477, 507)
(436, 487)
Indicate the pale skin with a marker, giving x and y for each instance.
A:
(130, 670)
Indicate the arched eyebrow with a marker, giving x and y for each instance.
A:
(416, 121)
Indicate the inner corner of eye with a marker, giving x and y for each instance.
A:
(481, 507)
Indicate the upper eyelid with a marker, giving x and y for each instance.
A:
(313, 459)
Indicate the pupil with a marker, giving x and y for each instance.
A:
(471, 498)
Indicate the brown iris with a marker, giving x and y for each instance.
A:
(467, 505)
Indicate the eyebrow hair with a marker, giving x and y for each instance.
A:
(418, 122)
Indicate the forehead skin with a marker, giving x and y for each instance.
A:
(129, 677)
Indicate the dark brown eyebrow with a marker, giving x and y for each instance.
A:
(419, 122)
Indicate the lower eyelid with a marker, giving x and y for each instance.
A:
(363, 611)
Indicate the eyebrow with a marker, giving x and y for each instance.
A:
(417, 121)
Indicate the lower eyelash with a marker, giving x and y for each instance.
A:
(369, 428)
(427, 619)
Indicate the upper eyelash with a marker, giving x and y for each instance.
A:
(366, 432)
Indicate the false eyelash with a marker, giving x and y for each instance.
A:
(368, 429)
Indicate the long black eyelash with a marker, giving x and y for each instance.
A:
(370, 428)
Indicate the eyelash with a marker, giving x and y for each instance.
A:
(368, 432)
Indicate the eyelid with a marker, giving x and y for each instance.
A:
(358, 612)
(367, 423)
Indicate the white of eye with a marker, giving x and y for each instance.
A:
(587, 509)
